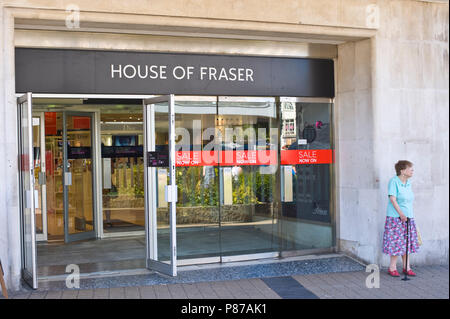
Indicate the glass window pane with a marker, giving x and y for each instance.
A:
(54, 174)
(122, 162)
(197, 178)
(248, 168)
(162, 180)
(306, 157)
(80, 203)
(37, 170)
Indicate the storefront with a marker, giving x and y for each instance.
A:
(206, 158)
(287, 119)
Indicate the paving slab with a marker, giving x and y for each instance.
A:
(431, 282)
(218, 272)
(335, 278)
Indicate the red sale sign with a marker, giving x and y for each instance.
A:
(195, 158)
(296, 157)
(232, 158)
(265, 157)
(226, 158)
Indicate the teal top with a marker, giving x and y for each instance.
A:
(404, 195)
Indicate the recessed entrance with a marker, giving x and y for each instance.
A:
(108, 197)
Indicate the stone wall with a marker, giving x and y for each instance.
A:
(412, 114)
(10, 244)
(392, 104)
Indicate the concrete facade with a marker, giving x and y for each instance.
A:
(392, 96)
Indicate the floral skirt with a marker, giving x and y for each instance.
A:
(394, 237)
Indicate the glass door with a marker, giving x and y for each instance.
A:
(78, 177)
(160, 186)
(40, 175)
(28, 194)
(54, 187)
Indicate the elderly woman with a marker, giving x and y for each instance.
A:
(399, 210)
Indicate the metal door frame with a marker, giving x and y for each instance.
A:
(29, 195)
(150, 188)
(90, 234)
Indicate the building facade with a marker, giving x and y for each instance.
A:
(321, 99)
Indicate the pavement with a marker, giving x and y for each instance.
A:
(322, 277)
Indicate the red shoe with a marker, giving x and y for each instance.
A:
(409, 273)
(393, 273)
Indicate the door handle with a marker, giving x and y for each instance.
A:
(171, 194)
(67, 179)
(29, 196)
(36, 199)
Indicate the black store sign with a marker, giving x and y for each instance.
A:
(116, 72)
